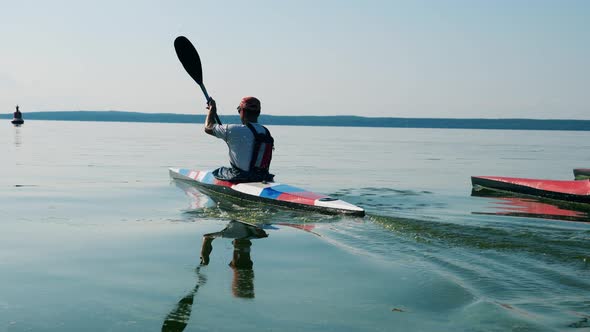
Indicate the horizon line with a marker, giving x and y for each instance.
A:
(7, 115)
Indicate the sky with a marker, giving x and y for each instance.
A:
(441, 59)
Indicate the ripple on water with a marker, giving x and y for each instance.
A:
(561, 245)
(530, 280)
(510, 267)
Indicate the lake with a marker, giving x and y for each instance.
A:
(96, 236)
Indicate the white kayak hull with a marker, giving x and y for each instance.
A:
(268, 192)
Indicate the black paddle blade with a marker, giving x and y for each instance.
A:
(188, 56)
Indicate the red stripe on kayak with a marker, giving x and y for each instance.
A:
(307, 198)
(193, 174)
(223, 183)
(579, 187)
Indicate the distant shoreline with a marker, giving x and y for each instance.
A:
(307, 120)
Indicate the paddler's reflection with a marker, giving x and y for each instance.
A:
(243, 280)
(241, 264)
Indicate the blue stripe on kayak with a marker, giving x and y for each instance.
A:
(184, 171)
(270, 193)
(209, 178)
(275, 191)
(285, 188)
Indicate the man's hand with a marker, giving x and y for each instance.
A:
(211, 105)
(210, 120)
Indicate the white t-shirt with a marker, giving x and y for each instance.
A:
(240, 141)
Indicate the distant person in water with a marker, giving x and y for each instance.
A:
(250, 144)
(18, 114)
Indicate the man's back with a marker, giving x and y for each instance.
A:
(240, 140)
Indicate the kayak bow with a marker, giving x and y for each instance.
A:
(268, 192)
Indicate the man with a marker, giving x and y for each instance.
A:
(250, 144)
(17, 114)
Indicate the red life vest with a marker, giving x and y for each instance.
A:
(262, 152)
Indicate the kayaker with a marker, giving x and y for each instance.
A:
(17, 114)
(250, 144)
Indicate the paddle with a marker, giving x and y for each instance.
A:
(188, 56)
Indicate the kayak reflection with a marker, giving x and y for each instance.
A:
(532, 207)
(241, 264)
(212, 204)
(198, 200)
(215, 205)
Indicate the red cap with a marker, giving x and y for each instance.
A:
(250, 104)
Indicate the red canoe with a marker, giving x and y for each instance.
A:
(566, 190)
(582, 173)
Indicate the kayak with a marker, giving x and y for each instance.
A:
(268, 192)
(582, 173)
(17, 121)
(565, 190)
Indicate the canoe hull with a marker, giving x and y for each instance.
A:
(268, 193)
(565, 190)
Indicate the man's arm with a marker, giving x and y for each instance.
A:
(210, 120)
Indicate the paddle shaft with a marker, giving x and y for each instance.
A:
(209, 98)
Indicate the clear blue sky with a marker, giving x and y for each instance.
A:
(472, 58)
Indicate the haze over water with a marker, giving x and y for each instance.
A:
(97, 237)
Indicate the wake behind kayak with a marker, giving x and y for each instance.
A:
(268, 192)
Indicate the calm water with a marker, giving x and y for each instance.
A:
(95, 236)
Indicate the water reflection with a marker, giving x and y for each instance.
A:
(241, 263)
(178, 318)
(512, 205)
(17, 136)
(211, 204)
